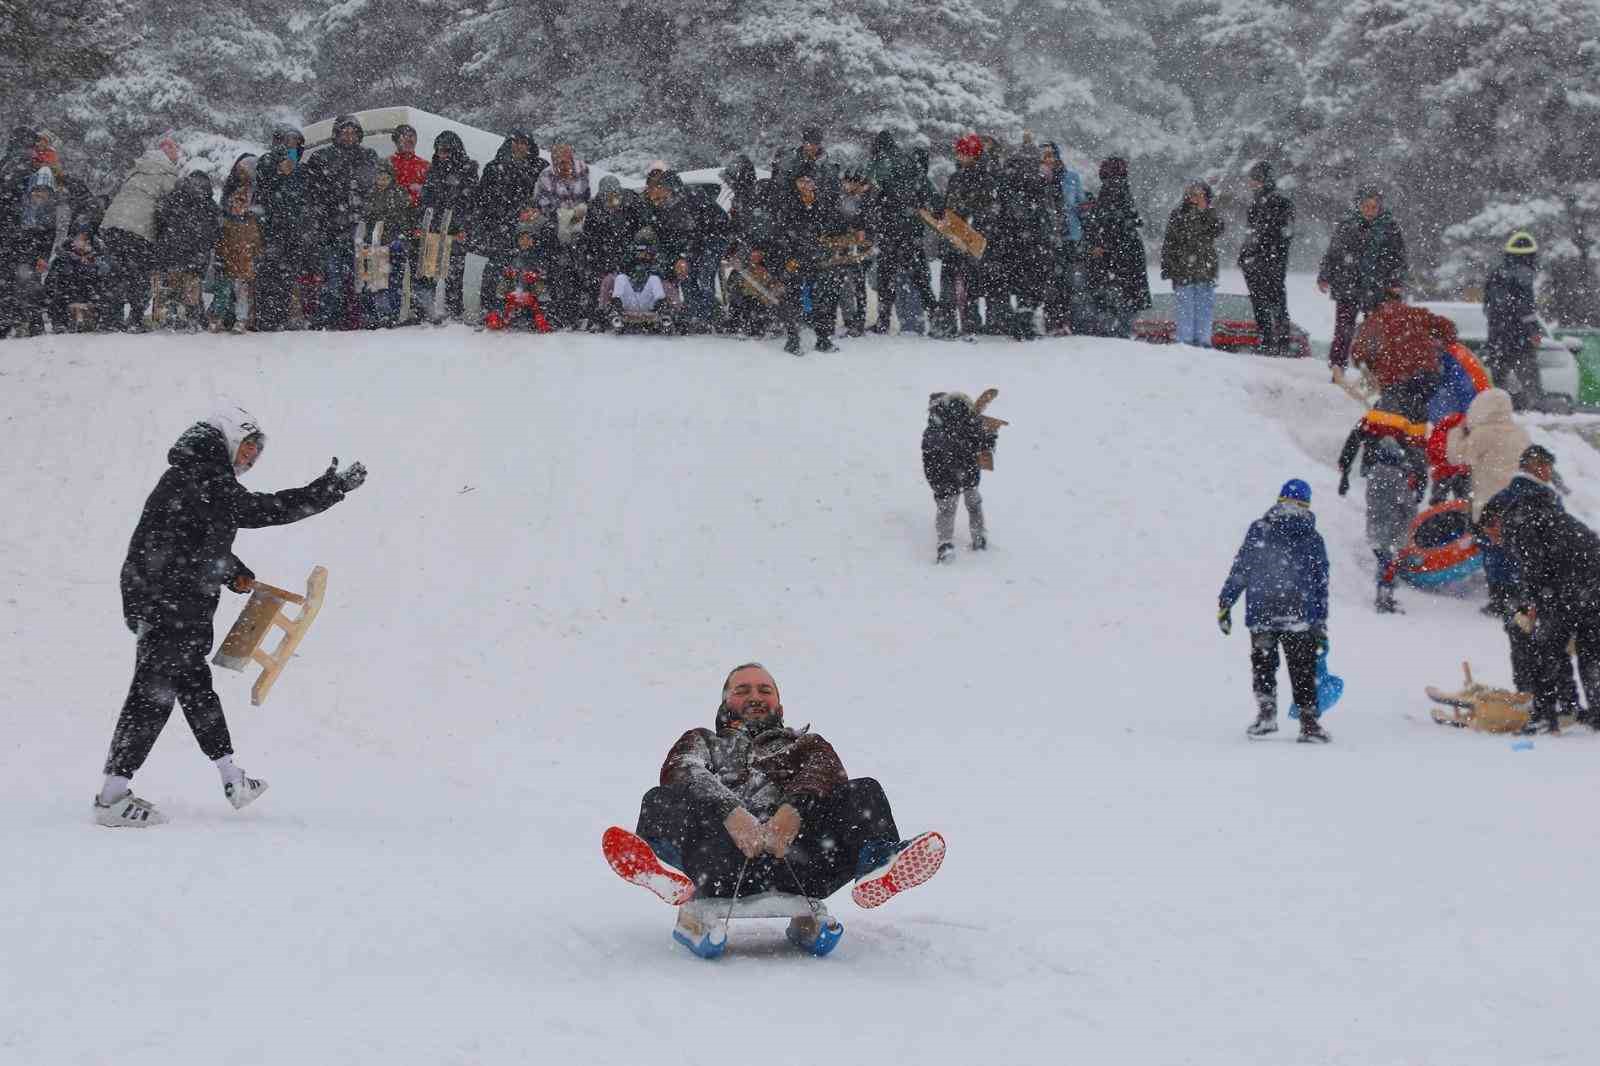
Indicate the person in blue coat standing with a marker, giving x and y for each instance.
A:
(1282, 571)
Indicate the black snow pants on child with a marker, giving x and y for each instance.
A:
(1299, 651)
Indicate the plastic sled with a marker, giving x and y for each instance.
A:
(1329, 688)
(1442, 549)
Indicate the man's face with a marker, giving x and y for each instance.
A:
(249, 450)
(408, 141)
(383, 180)
(348, 137)
(519, 149)
(751, 695)
(563, 158)
(1370, 208)
(656, 194)
(963, 160)
(1540, 469)
(812, 151)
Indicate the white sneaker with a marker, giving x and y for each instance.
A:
(244, 793)
(127, 812)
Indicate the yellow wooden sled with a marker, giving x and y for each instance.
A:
(1479, 707)
(242, 645)
(990, 423)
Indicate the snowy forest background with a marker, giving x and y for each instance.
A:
(1477, 116)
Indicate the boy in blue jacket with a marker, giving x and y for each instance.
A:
(1282, 569)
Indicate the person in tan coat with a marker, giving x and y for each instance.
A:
(238, 249)
(1491, 443)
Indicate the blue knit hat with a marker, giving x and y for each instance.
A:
(1296, 490)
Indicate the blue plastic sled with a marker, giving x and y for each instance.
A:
(1329, 688)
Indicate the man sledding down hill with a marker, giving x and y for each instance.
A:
(754, 807)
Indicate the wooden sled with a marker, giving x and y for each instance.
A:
(757, 282)
(957, 230)
(242, 645)
(991, 424)
(847, 251)
(1479, 707)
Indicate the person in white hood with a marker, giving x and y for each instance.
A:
(179, 558)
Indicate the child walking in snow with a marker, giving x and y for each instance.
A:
(951, 444)
(1282, 571)
(1395, 463)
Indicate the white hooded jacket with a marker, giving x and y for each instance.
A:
(1493, 449)
(133, 209)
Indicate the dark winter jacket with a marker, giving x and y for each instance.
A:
(1282, 570)
(1557, 557)
(760, 766)
(340, 182)
(1509, 307)
(1523, 493)
(392, 207)
(182, 550)
(973, 193)
(188, 223)
(1111, 225)
(281, 199)
(1269, 228)
(803, 226)
(1189, 248)
(954, 436)
(1394, 462)
(451, 184)
(901, 190)
(608, 232)
(688, 219)
(1364, 259)
(79, 275)
(507, 185)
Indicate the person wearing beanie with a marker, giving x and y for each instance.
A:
(339, 181)
(1189, 261)
(509, 185)
(179, 559)
(1366, 257)
(753, 806)
(1264, 258)
(1117, 277)
(1512, 350)
(1282, 571)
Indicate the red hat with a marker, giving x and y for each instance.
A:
(971, 145)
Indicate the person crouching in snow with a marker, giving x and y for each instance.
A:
(179, 558)
(951, 443)
(1282, 570)
(1395, 465)
(753, 806)
(636, 294)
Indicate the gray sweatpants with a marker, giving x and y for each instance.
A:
(944, 520)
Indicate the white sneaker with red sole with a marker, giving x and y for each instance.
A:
(908, 865)
(635, 862)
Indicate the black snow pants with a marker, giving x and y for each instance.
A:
(170, 665)
(1269, 300)
(824, 301)
(902, 254)
(688, 833)
(132, 260)
(1553, 689)
(1299, 651)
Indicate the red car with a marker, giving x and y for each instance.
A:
(1233, 325)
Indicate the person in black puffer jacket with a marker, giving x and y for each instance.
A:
(508, 185)
(340, 182)
(188, 223)
(179, 558)
(1114, 252)
(951, 444)
(1264, 258)
(451, 187)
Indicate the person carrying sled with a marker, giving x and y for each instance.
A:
(752, 806)
(1282, 571)
(180, 556)
(954, 439)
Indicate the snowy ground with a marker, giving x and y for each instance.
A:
(564, 544)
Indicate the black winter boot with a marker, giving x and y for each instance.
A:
(792, 345)
(946, 550)
(1266, 717)
(1311, 731)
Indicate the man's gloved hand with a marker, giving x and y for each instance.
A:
(1225, 620)
(350, 478)
(1344, 483)
(243, 583)
(746, 831)
(782, 828)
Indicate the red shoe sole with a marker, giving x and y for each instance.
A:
(635, 863)
(912, 867)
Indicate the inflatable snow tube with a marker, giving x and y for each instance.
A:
(1442, 549)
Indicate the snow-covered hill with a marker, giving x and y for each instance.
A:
(565, 542)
